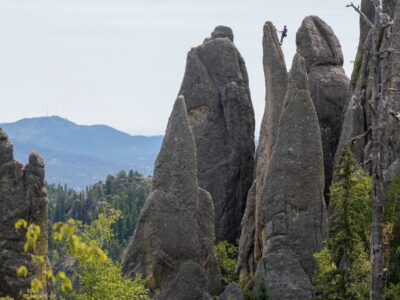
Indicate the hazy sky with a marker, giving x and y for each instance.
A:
(121, 62)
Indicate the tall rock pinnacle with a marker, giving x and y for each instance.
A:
(329, 85)
(294, 211)
(251, 244)
(218, 101)
(173, 241)
(22, 196)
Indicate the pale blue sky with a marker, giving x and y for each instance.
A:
(121, 62)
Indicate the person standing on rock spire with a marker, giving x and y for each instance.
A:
(284, 34)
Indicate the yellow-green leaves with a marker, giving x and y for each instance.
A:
(66, 284)
(36, 285)
(98, 276)
(68, 232)
(21, 224)
(32, 234)
(22, 271)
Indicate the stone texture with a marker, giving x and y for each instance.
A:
(173, 241)
(22, 196)
(318, 44)
(218, 101)
(293, 207)
(251, 244)
(353, 126)
(232, 292)
(329, 85)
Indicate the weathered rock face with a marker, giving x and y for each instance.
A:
(232, 292)
(361, 86)
(218, 101)
(353, 126)
(293, 207)
(22, 196)
(173, 241)
(251, 244)
(329, 85)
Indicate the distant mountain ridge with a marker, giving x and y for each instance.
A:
(79, 155)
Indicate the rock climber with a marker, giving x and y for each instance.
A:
(284, 34)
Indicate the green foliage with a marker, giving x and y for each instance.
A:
(227, 254)
(392, 292)
(392, 219)
(124, 192)
(343, 266)
(97, 275)
(97, 280)
(260, 291)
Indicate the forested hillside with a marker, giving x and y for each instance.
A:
(124, 192)
(81, 155)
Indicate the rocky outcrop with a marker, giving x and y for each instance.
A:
(22, 196)
(218, 101)
(251, 243)
(358, 132)
(232, 292)
(353, 126)
(173, 241)
(292, 199)
(329, 85)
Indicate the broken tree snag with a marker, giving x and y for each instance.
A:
(378, 70)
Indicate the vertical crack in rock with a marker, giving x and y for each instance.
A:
(217, 95)
(251, 243)
(329, 85)
(294, 211)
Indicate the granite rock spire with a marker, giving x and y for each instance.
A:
(276, 80)
(218, 101)
(173, 241)
(294, 211)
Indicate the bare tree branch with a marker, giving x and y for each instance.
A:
(365, 18)
(358, 137)
(395, 115)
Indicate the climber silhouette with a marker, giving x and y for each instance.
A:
(284, 34)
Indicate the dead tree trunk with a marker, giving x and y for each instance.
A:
(380, 31)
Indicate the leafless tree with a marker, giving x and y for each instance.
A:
(378, 71)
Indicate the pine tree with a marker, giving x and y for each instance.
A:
(343, 265)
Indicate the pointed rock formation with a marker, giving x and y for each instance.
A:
(218, 101)
(294, 211)
(22, 196)
(329, 85)
(173, 241)
(251, 243)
